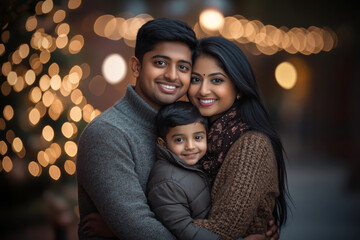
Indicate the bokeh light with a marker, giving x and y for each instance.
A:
(211, 20)
(70, 148)
(286, 75)
(48, 133)
(3, 147)
(34, 116)
(54, 172)
(17, 144)
(8, 112)
(7, 164)
(70, 167)
(34, 169)
(114, 68)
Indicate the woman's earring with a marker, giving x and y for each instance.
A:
(238, 96)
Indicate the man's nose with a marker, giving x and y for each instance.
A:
(171, 73)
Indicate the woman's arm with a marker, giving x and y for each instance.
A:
(245, 189)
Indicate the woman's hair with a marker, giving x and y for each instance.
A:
(253, 111)
(163, 30)
(177, 114)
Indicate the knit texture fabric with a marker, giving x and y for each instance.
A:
(245, 189)
(222, 134)
(116, 152)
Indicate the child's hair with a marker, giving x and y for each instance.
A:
(177, 114)
(163, 30)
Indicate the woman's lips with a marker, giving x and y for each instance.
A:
(206, 102)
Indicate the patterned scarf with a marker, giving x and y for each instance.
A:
(222, 134)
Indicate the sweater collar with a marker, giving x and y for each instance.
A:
(137, 109)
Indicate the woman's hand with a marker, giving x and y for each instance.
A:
(255, 237)
(272, 233)
(94, 225)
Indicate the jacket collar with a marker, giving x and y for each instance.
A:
(165, 154)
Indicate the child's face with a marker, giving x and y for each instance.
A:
(188, 142)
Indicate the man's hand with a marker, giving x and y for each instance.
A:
(94, 225)
(272, 233)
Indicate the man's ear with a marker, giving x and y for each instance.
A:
(135, 66)
(161, 142)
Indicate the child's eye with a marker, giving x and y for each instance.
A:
(179, 140)
(198, 137)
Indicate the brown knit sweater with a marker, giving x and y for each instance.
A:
(245, 188)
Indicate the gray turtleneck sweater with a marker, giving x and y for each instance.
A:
(115, 155)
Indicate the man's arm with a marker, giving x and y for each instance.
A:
(106, 172)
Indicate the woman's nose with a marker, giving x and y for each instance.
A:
(204, 89)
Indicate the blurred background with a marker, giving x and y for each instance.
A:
(63, 62)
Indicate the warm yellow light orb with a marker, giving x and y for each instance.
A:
(286, 75)
(211, 19)
(54, 172)
(114, 68)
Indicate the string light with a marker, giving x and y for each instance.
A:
(53, 90)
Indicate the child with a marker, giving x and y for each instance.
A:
(177, 190)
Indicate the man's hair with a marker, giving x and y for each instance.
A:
(177, 114)
(163, 30)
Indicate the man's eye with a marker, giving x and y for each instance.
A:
(160, 63)
(183, 67)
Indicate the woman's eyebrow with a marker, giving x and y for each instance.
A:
(211, 74)
(216, 73)
(195, 73)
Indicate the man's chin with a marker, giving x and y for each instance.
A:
(165, 100)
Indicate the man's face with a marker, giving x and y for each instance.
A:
(164, 75)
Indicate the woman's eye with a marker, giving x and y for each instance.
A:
(194, 80)
(217, 80)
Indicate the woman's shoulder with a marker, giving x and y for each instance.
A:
(255, 137)
(254, 147)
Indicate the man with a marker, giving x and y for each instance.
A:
(116, 150)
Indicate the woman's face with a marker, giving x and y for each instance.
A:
(211, 90)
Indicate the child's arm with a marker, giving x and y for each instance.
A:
(169, 203)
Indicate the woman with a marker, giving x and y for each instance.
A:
(245, 160)
(245, 156)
